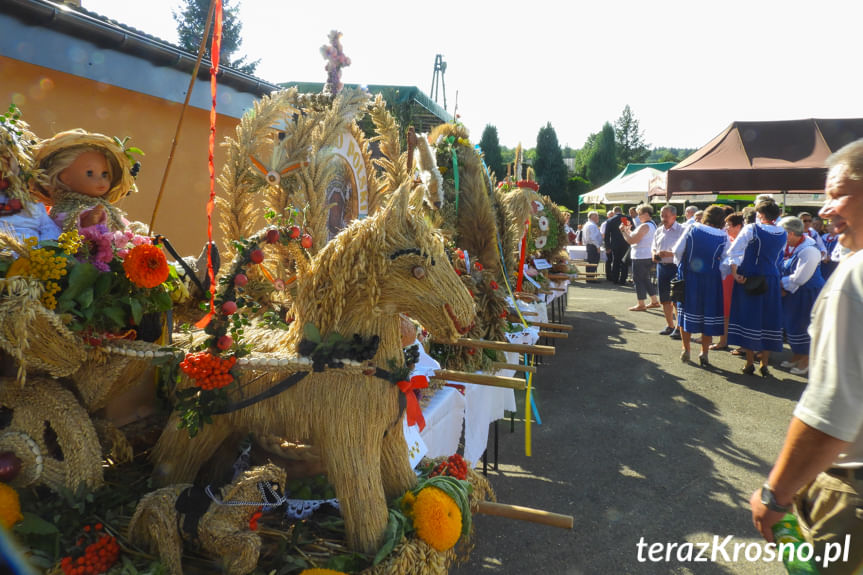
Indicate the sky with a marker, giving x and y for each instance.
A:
(687, 69)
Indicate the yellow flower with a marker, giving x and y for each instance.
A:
(20, 267)
(442, 169)
(408, 503)
(69, 242)
(437, 518)
(319, 571)
(10, 507)
(463, 142)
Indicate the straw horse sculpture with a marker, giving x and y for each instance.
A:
(390, 263)
(162, 521)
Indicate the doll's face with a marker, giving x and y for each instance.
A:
(88, 175)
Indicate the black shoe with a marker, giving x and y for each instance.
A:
(765, 373)
(666, 331)
(749, 370)
(702, 361)
(675, 334)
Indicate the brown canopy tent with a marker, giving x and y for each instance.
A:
(786, 156)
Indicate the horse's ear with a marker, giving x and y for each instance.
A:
(399, 201)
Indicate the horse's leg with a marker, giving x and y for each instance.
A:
(396, 471)
(177, 457)
(353, 461)
(239, 551)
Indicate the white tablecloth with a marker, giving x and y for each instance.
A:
(580, 253)
(444, 417)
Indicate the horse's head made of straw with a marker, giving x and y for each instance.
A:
(393, 262)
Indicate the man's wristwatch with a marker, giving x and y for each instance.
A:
(769, 500)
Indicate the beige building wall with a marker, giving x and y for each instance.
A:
(53, 101)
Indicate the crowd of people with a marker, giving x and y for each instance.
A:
(758, 279)
(747, 279)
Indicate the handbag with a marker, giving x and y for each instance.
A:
(678, 290)
(755, 285)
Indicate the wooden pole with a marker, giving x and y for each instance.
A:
(558, 277)
(505, 346)
(480, 378)
(201, 49)
(514, 367)
(526, 514)
(553, 334)
(548, 325)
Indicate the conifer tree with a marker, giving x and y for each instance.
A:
(190, 25)
(551, 173)
(490, 146)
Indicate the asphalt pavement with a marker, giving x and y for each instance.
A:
(654, 459)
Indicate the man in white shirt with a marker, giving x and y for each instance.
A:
(593, 242)
(820, 467)
(689, 214)
(663, 254)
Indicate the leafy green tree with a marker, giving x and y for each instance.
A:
(551, 172)
(191, 19)
(669, 154)
(631, 147)
(602, 160)
(490, 146)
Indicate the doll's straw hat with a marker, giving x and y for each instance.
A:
(122, 183)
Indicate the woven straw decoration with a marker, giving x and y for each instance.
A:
(223, 531)
(34, 335)
(45, 405)
(357, 284)
(103, 376)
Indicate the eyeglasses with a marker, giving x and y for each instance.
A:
(807, 221)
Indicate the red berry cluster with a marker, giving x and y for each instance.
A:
(209, 371)
(95, 553)
(454, 466)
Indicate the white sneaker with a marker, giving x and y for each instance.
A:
(787, 364)
(800, 370)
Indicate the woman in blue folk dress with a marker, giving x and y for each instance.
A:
(801, 283)
(755, 323)
(699, 254)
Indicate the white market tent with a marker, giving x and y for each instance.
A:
(634, 188)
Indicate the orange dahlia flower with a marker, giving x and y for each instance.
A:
(146, 266)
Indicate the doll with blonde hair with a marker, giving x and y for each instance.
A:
(82, 176)
(19, 211)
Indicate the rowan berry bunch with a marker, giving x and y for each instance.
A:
(208, 370)
(95, 552)
(454, 466)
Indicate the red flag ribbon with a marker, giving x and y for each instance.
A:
(521, 257)
(215, 49)
(414, 413)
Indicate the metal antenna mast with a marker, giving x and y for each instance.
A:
(438, 79)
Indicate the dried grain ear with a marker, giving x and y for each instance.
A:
(418, 195)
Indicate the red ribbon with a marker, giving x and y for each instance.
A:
(414, 413)
(521, 258)
(215, 49)
(253, 520)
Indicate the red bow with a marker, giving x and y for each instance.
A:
(253, 520)
(415, 414)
